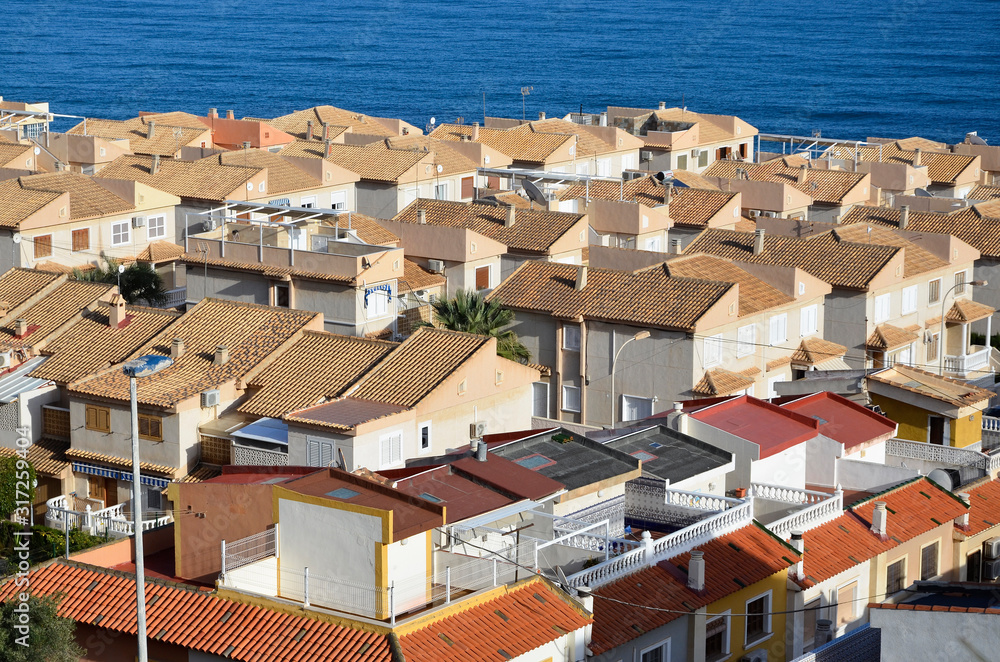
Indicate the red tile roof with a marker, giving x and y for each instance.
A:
(843, 420)
(772, 428)
(984, 506)
(507, 476)
(462, 497)
(197, 620)
(520, 619)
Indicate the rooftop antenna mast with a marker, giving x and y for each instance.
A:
(484, 107)
(525, 91)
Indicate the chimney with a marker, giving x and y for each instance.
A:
(221, 355)
(422, 216)
(4, 308)
(475, 130)
(213, 113)
(647, 546)
(154, 166)
(963, 519)
(116, 314)
(541, 114)
(668, 191)
(916, 157)
(230, 115)
(904, 216)
(481, 450)
(681, 418)
(326, 130)
(800, 547)
(581, 278)
(586, 598)
(824, 631)
(758, 241)
(327, 148)
(836, 219)
(675, 247)
(879, 517)
(176, 348)
(696, 571)
(663, 105)
(604, 119)
(803, 173)
(509, 221)
(150, 129)
(20, 327)
(309, 130)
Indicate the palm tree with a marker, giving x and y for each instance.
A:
(469, 311)
(140, 283)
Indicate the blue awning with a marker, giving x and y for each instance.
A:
(108, 472)
(384, 287)
(268, 430)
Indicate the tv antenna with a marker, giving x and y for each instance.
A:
(525, 91)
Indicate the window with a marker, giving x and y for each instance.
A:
(441, 191)
(425, 436)
(846, 600)
(150, 427)
(909, 300)
(43, 246)
(772, 391)
(779, 329)
(498, 377)
(934, 291)
(635, 408)
(81, 240)
(713, 350)
(571, 337)
(376, 303)
(571, 398)
(463, 386)
(758, 618)
(929, 561)
(932, 347)
(338, 200)
(809, 616)
(468, 187)
(628, 161)
(974, 566)
(682, 162)
(959, 283)
(604, 167)
(653, 244)
(483, 277)
(658, 653)
(390, 449)
(281, 299)
(319, 452)
(540, 399)
(703, 158)
(809, 320)
(98, 418)
(883, 307)
(895, 577)
(717, 637)
(156, 227)
(308, 202)
(120, 233)
(746, 339)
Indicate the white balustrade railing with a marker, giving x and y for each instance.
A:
(787, 494)
(699, 500)
(112, 520)
(963, 364)
(991, 423)
(919, 450)
(809, 517)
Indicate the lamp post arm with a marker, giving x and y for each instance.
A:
(614, 364)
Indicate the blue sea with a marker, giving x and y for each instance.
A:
(849, 69)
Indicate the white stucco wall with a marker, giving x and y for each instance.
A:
(407, 561)
(936, 635)
(787, 468)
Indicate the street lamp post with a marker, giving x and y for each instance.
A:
(143, 366)
(641, 335)
(941, 343)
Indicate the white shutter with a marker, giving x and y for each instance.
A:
(385, 451)
(779, 329)
(313, 448)
(747, 338)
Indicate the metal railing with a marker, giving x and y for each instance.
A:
(251, 549)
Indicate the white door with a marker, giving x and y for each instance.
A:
(540, 399)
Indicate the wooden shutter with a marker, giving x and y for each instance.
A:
(43, 246)
(81, 240)
(468, 187)
(483, 278)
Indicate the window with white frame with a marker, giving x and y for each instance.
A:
(883, 307)
(934, 291)
(390, 449)
(932, 347)
(959, 282)
(540, 399)
(156, 227)
(571, 398)
(338, 200)
(121, 232)
(713, 350)
(424, 435)
(658, 653)
(376, 304)
(571, 337)
(441, 191)
(909, 300)
(779, 329)
(929, 555)
(746, 340)
(603, 167)
(717, 637)
(809, 320)
(847, 597)
(628, 161)
(319, 452)
(635, 408)
(308, 202)
(758, 618)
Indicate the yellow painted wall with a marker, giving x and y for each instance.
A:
(912, 420)
(736, 603)
(965, 432)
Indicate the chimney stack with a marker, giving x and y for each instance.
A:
(150, 129)
(879, 519)
(20, 327)
(475, 130)
(326, 130)
(581, 278)
(803, 173)
(309, 130)
(541, 114)
(154, 166)
(509, 220)
(675, 247)
(176, 348)
(116, 314)
(904, 216)
(696, 571)
(422, 216)
(836, 219)
(481, 450)
(230, 115)
(221, 355)
(824, 631)
(963, 519)
(327, 148)
(681, 418)
(663, 105)
(758, 241)
(647, 547)
(800, 547)
(916, 157)
(668, 191)
(604, 119)
(213, 113)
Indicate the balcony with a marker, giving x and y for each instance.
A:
(76, 513)
(978, 359)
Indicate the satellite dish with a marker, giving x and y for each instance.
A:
(433, 120)
(534, 193)
(37, 151)
(972, 138)
(923, 193)
(249, 186)
(440, 168)
(121, 268)
(949, 479)
(17, 238)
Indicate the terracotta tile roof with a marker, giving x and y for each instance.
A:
(509, 198)
(200, 473)
(519, 619)
(87, 199)
(814, 350)
(830, 186)
(205, 179)
(91, 344)
(523, 146)
(916, 259)
(165, 142)
(451, 161)
(54, 310)
(970, 225)
(160, 251)
(367, 227)
(777, 363)
(20, 202)
(719, 381)
(648, 297)
(922, 143)
(92, 456)
(534, 230)
(945, 389)
(418, 278)
(984, 193)
(282, 176)
(942, 167)
(587, 143)
(340, 120)
(417, 366)
(176, 118)
(755, 294)
(48, 456)
(344, 413)
(967, 310)
(887, 336)
(252, 333)
(374, 162)
(197, 620)
(710, 127)
(984, 506)
(840, 263)
(319, 365)
(266, 269)
(693, 180)
(19, 284)
(733, 561)
(15, 155)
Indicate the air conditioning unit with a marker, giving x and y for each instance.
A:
(6, 358)
(754, 213)
(477, 429)
(437, 266)
(992, 569)
(210, 398)
(209, 225)
(646, 155)
(138, 221)
(755, 656)
(991, 548)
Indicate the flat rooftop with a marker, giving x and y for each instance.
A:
(668, 454)
(842, 420)
(772, 428)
